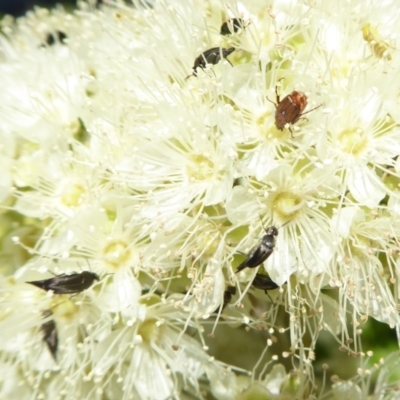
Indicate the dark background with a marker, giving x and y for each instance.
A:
(20, 7)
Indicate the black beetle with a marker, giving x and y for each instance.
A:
(55, 37)
(68, 284)
(261, 252)
(211, 56)
(264, 282)
(228, 293)
(231, 26)
(50, 336)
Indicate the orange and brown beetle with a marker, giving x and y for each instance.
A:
(290, 109)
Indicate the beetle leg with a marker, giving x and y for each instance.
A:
(266, 292)
(277, 95)
(278, 100)
(272, 102)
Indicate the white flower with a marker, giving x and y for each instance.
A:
(118, 160)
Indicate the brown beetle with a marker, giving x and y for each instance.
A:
(290, 109)
(211, 56)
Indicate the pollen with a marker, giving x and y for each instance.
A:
(353, 141)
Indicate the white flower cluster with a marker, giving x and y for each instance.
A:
(119, 159)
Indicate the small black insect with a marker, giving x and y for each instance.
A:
(231, 26)
(68, 284)
(264, 282)
(260, 253)
(50, 336)
(229, 292)
(211, 56)
(55, 37)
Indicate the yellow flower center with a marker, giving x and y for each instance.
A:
(286, 205)
(353, 141)
(149, 331)
(74, 195)
(200, 168)
(116, 253)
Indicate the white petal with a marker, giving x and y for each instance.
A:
(317, 253)
(242, 206)
(223, 382)
(5, 185)
(342, 221)
(275, 379)
(331, 319)
(122, 294)
(394, 203)
(365, 186)
(281, 264)
(209, 292)
(347, 390)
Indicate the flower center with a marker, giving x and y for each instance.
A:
(116, 253)
(73, 195)
(67, 309)
(286, 205)
(200, 168)
(149, 331)
(353, 141)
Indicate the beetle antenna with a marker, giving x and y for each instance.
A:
(87, 262)
(58, 304)
(273, 102)
(311, 109)
(284, 224)
(262, 224)
(189, 76)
